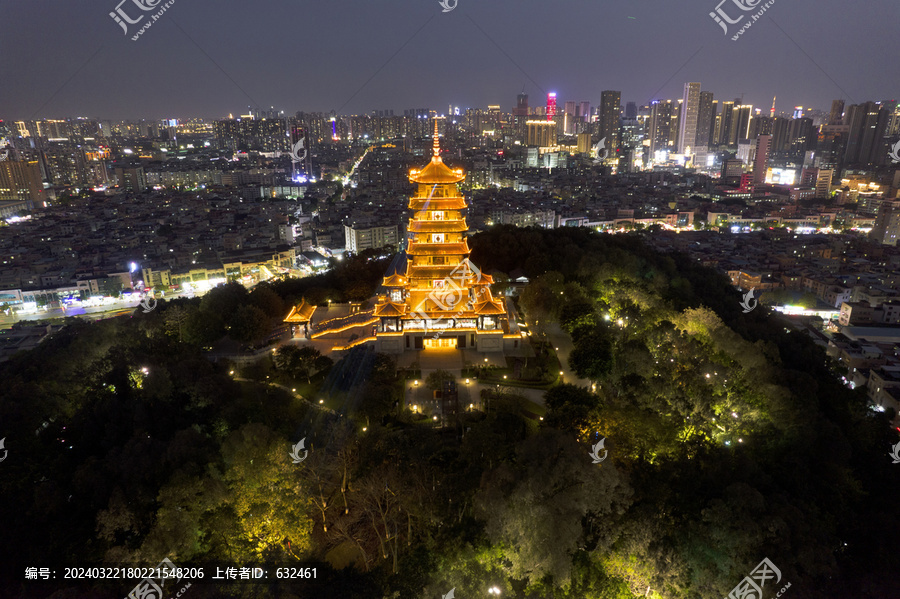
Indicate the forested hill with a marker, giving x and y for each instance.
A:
(729, 440)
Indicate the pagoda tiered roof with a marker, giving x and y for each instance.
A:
(395, 280)
(436, 172)
(488, 305)
(438, 226)
(390, 309)
(442, 249)
(457, 203)
(301, 313)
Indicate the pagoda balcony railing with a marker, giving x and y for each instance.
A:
(342, 323)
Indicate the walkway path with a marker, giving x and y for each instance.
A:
(562, 342)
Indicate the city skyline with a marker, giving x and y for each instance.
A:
(189, 65)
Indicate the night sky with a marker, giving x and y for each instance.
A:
(66, 59)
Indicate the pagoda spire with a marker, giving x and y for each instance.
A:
(437, 143)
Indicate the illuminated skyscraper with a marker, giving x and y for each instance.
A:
(569, 118)
(690, 113)
(761, 160)
(725, 123)
(584, 111)
(706, 120)
(20, 181)
(520, 116)
(551, 106)
(659, 127)
(887, 224)
(610, 113)
(740, 123)
(541, 134)
(865, 143)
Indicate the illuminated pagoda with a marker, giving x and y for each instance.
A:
(432, 296)
(438, 298)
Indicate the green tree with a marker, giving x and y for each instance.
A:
(267, 300)
(249, 325)
(300, 361)
(536, 507)
(592, 357)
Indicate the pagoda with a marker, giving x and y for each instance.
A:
(432, 296)
(438, 298)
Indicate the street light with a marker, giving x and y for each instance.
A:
(467, 381)
(493, 591)
(321, 401)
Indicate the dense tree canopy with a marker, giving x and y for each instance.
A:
(729, 440)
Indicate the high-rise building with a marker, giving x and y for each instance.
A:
(675, 125)
(541, 134)
(837, 113)
(659, 128)
(740, 123)
(631, 110)
(131, 178)
(584, 143)
(865, 142)
(362, 237)
(20, 182)
(610, 112)
(732, 169)
(725, 124)
(761, 125)
(831, 146)
(521, 108)
(706, 120)
(887, 224)
(569, 118)
(551, 106)
(781, 134)
(690, 114)
(801, 136)
(761, 160)
(584, 111)
(520, 116)
(820, 178)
